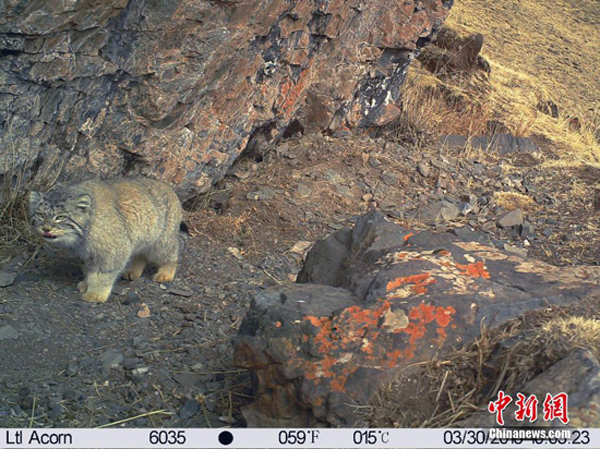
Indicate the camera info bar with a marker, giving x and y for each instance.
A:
(295, 438)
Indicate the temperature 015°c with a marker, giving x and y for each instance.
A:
(371, 437)
(298, 436)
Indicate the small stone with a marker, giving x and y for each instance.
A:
(72, 369)
(304, 190)
(438, 211)
(7, 278)
(198, 367)
(367, 197)
(300, 247)
(515, 250)
(118, 290)
(130, 362)
(526, 229)
(226, 419)
(140, 371)
(179, 292)
(424, 169)
(111, 358)
(187, 379)
(8, 333)
(262, 194)
(55, 412)
(510, 219)
(547, 232)
(131, 297)
(465, 208)
(389, 178)
(24, 391)
(189, 409)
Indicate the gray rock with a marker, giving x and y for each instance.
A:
(389, 178)
(438, 211)
(7, 278)
(515, 250)
(111, 358)
(187, 379)
(262, 194)
(304, 190)
(8, 333)
(526, 229)
(453, 141)
(424, 169)
(189, 409)
(510, 219)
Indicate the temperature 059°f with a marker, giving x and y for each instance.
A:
(371, 437)
(298, 436)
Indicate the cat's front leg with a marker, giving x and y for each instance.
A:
(99, 285)
(82, 286)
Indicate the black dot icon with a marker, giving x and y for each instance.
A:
(225, 438)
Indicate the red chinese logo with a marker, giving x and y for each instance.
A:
(499, 405)
(555, 407)
(526, 408)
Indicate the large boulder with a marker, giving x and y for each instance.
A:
(178, 89)
(375, 299)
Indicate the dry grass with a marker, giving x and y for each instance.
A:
(18, 180)
(431, 106)
(538, 52)
(469, 377)
(513, 200)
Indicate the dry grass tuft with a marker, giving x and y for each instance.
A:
(441, 393)
(431, 107)
(535, 59)
(513, 200)
(18, 180)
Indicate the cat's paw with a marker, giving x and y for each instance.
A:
(96, 296)
(165, 274)
(82, 286)
(132, 275)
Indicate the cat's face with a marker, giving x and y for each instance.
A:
(60, 216)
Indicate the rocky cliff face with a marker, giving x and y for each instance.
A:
(177, 89)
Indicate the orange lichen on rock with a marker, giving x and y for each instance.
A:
(323, 337)
(424, 314)
(360, 328)
(476, 270)
(407, 236)
(419, 284)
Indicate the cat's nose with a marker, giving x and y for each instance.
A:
(46, 228)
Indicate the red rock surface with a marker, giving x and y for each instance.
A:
(176, 89)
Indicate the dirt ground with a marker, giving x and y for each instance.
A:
(160, 355)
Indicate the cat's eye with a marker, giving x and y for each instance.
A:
(60, 218)
(38, 216)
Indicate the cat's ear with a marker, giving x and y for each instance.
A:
(34, 200)
(84, 201)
